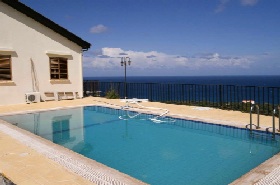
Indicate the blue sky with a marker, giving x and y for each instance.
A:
(172, 37)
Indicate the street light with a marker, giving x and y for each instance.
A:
(124, 62)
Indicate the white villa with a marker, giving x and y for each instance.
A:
(39, 60)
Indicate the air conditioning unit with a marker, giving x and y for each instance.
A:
(32, 97)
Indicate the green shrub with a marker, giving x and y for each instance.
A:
(112, 94)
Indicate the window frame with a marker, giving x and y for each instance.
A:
(56, 69)
(9, 57)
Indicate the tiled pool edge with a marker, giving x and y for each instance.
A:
(272, 178)
(267, 173)
(89, 169)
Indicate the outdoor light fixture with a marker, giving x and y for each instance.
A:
(125, 61)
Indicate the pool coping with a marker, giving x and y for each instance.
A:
(266, 173)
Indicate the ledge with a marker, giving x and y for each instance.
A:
(7, 51)
(67, 55)
(7, 83)
(60, 82)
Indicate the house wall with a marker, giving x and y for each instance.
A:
(27, 39)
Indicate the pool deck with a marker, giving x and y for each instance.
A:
(29, 159)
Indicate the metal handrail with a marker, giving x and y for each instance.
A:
(258, 118)
(273, 119)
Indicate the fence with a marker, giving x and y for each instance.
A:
(229, 97)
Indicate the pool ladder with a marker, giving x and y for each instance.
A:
(273, 119)
(275, 110)
(258, 118)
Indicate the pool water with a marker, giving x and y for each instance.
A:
(171, 152)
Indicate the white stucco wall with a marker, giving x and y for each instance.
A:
(29, 39)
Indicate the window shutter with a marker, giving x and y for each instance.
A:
(5, 68)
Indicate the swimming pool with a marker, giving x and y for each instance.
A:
(180, 152)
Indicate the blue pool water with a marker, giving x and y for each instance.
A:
(180, 152)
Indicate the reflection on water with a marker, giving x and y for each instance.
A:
(64, 127)
(61, 129)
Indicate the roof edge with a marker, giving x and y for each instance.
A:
(47, 22)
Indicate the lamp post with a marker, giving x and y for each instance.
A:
(125, 61)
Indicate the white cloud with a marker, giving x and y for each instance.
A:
(249, 2)
(221, 6)
(140, 60)
(223, 3)
(109, 59)
(98, 29)
(214, 60)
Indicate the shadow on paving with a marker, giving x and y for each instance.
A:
(5, 181)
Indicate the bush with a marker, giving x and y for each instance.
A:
(112, 94)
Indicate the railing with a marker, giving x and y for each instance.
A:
(231, 97)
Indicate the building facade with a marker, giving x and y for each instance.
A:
(36, 55)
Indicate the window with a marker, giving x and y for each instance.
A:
(5, 68)
(58, 68)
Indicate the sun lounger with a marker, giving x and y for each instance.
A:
(137, 101)
(134, 100)
(248, 101)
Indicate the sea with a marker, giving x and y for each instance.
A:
(261, 81)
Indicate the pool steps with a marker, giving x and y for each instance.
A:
(275, 110)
